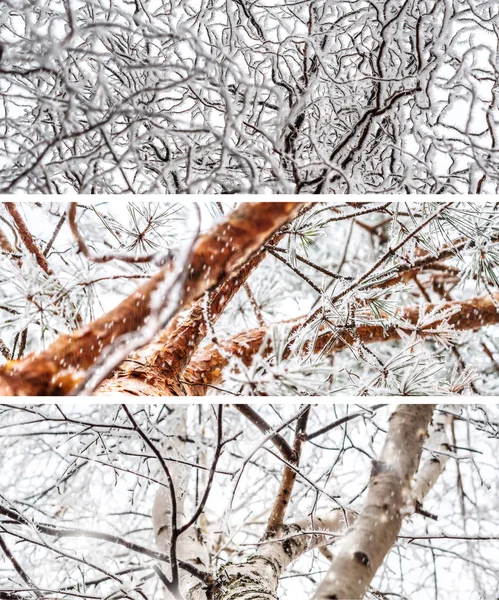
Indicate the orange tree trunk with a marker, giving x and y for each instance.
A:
(216, 256)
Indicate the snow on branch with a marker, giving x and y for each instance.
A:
(215, 256)
(425, 321)
(365, 545)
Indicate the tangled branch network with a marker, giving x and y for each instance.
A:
(232, 502)
(197, 96)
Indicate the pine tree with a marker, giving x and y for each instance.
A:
(270, 298)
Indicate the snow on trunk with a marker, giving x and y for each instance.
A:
(257, 578)
(190, 547)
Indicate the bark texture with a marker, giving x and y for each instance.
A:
(374, 532)
(158, 369)
(216, 255)
(440, 450)
(258, 577)
(189, 545)
(207, 364)
(281, 503)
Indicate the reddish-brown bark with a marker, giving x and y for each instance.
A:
(288, 479)
(27, 238)
(180, 345)
(216, 256)
(164, 364)
(207, 364)
(178, 349)
(5, 243)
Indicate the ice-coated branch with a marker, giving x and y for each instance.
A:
(32, 247)
(100, 258)
(277, 439)
(58, 531)
(19, 569)
(462, 315)
(27, 238)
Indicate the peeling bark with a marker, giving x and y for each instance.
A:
(163, 363)
(216, 256)
(473, 314)
(168, 358)
(374, 532)
(173, 357)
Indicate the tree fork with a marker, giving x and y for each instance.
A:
(216, 255)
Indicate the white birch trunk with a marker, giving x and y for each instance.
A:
(190, 548)
(257, 578)
(433, 466)
(368, 538)
(389, 496)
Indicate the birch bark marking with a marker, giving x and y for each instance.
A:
(257, 578)
(440, 450)
(369, 540)
(190, 547)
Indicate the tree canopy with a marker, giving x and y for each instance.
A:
(233, 96)
(238, 502)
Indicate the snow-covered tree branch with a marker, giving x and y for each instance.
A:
(252, 298)
(198, 96)
(174, 501)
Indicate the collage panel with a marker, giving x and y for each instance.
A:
(240, 502)
(327, 299)
(249, 97)
(360, 302)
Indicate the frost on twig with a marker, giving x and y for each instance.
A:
(369, 298)
(215, 255)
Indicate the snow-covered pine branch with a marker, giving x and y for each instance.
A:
(270, 298)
